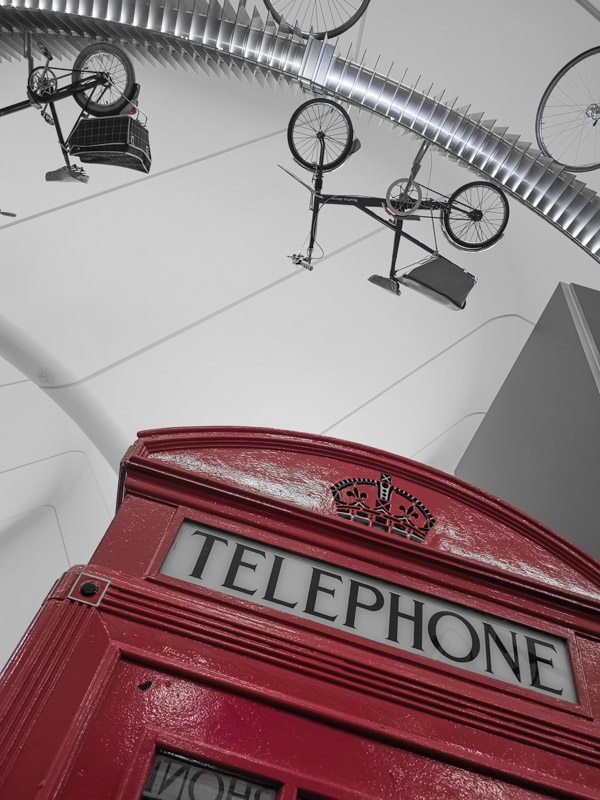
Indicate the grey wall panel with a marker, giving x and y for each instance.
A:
(538, 445)
(590, 307)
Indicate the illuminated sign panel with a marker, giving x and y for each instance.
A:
(373, 609)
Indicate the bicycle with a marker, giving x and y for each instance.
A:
(321, 138)
(568, 113)
(102, 83)
(317, 18)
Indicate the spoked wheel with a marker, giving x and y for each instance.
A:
(317, 18)
(42, 83)
(399, 202)
(566, 124)
(106, 59)
(475, 216)
(316, 126)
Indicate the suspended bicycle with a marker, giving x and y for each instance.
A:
(566, 123)
(321, 138)
(102, 83)
(317, 18)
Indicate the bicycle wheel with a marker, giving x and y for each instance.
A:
(566, 121)
(475, 216)
(319, 124)
(104, 58)
(317, 18)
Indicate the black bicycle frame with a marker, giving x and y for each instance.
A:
(88, 83)
(84, 84)
(366, 203)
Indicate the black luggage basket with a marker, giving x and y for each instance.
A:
(120, 141)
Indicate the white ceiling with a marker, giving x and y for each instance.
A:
(146, 301)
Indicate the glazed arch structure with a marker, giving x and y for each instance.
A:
(414, 622)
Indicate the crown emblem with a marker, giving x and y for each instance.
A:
(380, 505)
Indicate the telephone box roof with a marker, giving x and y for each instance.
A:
(365, 494)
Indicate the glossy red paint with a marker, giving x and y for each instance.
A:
(106, 678)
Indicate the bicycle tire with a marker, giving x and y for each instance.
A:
(475, 216)
(317, 117)
(104, 101)
(317, 18)
(566, 120)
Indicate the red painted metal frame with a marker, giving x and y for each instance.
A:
(318, 711)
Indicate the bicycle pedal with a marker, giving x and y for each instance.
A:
(45, 52)
(47, 118)
(301, 261)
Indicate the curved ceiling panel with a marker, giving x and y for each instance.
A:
(217, 36)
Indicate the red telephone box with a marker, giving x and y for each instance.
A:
(278, 616)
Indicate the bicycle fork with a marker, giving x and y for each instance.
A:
(315, 207)
(315, 204)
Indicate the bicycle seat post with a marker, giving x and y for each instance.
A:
(315, 202)
(27, 51)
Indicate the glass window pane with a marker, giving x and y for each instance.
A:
(176, 778)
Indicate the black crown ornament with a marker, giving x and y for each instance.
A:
(380, 505)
